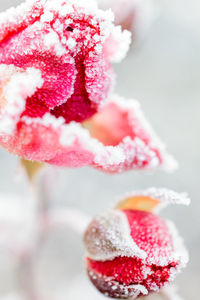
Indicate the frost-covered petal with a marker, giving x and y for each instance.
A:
(116, 139)
(152, 199)
(39, 139)
(117, 45)
(126, 138)
(97, 67)
(16, 19)
(108, 236)
(30, 48)
(15, 86)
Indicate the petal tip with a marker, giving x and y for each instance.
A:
(152, 199)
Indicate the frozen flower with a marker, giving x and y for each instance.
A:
(131, 251)
(54, 73)
(134, 15)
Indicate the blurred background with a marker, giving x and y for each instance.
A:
(162, 71)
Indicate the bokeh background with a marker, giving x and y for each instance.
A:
(163, 72)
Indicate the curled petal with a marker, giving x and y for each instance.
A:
(126, 138)
(152, 199)
(32, 48)
(15, 85)
(116, 235)
(117, 45)
(97, 67)
(16, 19)
(116, 139)
(108, 236)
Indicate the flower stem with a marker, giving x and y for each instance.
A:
(45, 219)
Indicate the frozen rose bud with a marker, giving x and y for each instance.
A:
(131, 251)
(66, 42)
(134, 15)
(116, 139)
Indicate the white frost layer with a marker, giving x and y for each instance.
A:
(180, 253)
(122, 39)
(87, 292)
(108, 236)
(17, 87)
(131, 291)
(102, 19)
(135, 112)
(112, 157)
(51, 40)
(165, 196)
(46, 11)
(25, 13)
(74, 132)
(86, 7)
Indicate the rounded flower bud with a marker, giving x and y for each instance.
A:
(66, 41)
(131, 251)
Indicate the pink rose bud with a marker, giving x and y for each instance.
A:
(131, 251)
(64, 41)
(55, 73)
